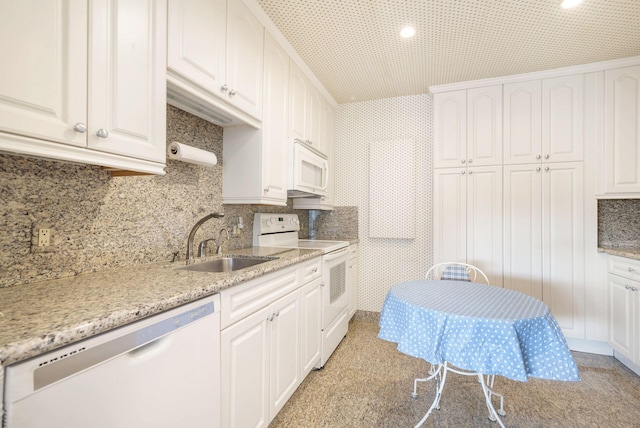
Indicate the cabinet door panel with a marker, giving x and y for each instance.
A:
(245, 371)
(563, 245)
(311, 325)
(622, 304)
(523, 229)
(484, 221)
(449, 215)
(563, 118)
(197, 46)
(450, 129)
(245, 50)
(127, 71)
(522, 122)
(285, 351)
(43, 89)
(484, 126)
(274, 125)
(297, 103)
(622, 130)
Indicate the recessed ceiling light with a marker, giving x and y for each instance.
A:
(568, 4)
(407, 31)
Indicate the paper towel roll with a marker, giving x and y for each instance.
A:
(184, 153)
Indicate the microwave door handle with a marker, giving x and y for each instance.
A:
(326, 175)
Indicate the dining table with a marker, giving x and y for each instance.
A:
(475, 329)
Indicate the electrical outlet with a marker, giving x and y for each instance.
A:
(44, 237)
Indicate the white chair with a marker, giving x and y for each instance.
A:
(456, 271)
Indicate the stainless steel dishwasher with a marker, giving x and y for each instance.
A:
(162, 371)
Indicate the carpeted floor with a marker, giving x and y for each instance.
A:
(368, 383)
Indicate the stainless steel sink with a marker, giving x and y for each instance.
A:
(227, 264)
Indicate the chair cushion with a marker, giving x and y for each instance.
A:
(457, 273)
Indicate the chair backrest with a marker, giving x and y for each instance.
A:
(456, 271)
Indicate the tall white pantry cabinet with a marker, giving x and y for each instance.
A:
(515, 178)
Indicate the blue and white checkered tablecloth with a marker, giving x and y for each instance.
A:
(477, 327)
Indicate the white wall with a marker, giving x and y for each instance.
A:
(385, 262)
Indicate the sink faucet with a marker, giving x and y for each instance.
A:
(219, 242)
(194, 229)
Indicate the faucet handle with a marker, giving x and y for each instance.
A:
(202, 248)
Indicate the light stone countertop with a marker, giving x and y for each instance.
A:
(43, 316)
(621, 251)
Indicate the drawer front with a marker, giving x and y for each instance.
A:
(310, 270)
(353, 251)
(244, 299)
(627, 268)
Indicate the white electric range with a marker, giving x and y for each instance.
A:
(281, 230)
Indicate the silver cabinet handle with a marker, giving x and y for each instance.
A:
(224, 88)
(232, 92)
(463, 161)
(266, 190)
(538, 169)
(314, 270)
(270, 317)
(470, 160)
(463, 172)
(470, 172)
(538, 157)
(631, 269)
(80, 127)
(277, 313)
(546, 169)
(546, 156)
(102, 133)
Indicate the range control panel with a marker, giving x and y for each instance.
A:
(264, 223)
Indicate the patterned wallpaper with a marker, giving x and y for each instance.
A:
(385, 262)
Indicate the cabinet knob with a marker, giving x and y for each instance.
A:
(270, 317)
(631, 269)
(224, 88)
(463, 161)
(546, 169)
(80, 127)
(277, 313)
(232, 92)
(463, 172)
(102, 133)
(538, 169)
(538, 157)
(314, 270)
(546, 156)
(470, 160)
(470, 172)
(266, 190)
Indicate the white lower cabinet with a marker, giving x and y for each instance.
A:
(623, 281)
(467, 218)
(544, 238)
(271, 332)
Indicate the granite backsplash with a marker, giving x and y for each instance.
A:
(619, 222)
(101, 222)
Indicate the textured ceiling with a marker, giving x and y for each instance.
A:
(354, 47)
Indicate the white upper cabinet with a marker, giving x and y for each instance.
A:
(563, 118)
(622, 132)
(450, 129)
(255, 160)
(484, 126)
(543, 120)
(522, 122)
(196, 47)
(215, 60)
(85, 82)
(43, 89)
(305, 110)
(127, 101)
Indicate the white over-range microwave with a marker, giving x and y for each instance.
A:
(308, 171)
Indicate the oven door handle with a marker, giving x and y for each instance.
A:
(336, 254)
